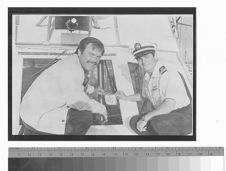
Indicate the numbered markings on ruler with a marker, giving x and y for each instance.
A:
(114, 152)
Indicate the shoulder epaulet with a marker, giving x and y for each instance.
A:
(162, 70)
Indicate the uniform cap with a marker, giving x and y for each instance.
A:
(140, 51)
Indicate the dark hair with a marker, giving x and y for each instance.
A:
(95, 42)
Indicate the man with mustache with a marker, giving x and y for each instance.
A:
(170, 112)
(57, 101)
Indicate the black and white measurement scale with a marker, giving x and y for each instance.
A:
(114, 152)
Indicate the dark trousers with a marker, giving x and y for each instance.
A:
(28, 130)
(78, 123)
(177, 122)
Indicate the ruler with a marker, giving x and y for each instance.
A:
(114, 152)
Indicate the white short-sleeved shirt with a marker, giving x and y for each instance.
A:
(162, 85)
(58, 88)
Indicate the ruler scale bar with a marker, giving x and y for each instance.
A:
(114, 152)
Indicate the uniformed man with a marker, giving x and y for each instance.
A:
(56, 102)
(171, 111)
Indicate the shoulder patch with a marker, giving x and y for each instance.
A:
(162, 70)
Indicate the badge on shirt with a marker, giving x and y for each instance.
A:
(162, 70)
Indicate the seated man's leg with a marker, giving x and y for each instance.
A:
(178, 122)
(146, 107)
(133, 126)
(78, 122)
(28, 130)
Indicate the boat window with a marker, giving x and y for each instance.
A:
(104, 77)
(32, 68)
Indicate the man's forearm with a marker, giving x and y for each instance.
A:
(166, 107)
(133, 98)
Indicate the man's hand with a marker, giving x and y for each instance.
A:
(105, 115)
(120, 95)
(141, 125)
(103, 111)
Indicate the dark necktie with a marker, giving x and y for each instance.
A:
(86, 79)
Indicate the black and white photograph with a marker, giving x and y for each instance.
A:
(102, 74)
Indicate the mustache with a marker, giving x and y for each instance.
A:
(91, 62)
